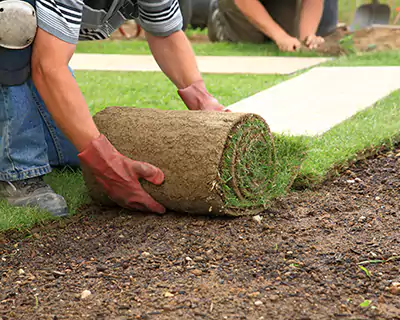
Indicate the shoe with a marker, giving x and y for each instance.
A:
(33, 192)
(214, 26)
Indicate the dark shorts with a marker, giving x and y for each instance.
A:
(285, 12)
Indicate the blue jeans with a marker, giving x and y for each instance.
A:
(329, 18)
(30, 142)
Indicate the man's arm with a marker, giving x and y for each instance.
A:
(310, 17)
(261, 19)
(118, 175)
(176, 59)
(59, 90)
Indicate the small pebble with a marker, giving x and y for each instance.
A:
(257, 219)
(189, 259)
(377, 198)
(168, 294)
(197, 272)
(395, 288)
(21, 271)
(273, 297)
(258, 303)
(362, 219)
(85, 294)
(351, 181)
(254, 294)
(145, 254)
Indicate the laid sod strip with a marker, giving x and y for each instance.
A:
(65, 182)
(200, 49)
(15, 218)
(291, 151)
(70, 184)
(214, 163)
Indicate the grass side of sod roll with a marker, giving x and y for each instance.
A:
(248, 169)
(368, 131)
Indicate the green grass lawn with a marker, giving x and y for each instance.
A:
(200, 49)
(368, 130)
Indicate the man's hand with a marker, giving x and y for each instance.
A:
(196, 97)
(287, 43)
(175, 57)
(313, 41)
(119, 176)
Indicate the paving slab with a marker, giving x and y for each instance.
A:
(317, 100)
(207, 64)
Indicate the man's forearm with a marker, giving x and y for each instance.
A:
(67, 106)
(175, 57)
(310, 17)
(59, 90)
(255, 12)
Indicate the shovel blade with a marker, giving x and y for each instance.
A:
(370, 14)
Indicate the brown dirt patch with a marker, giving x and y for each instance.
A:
(300, 262)
(366, 40)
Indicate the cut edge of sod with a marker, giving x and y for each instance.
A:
(248, 166)
(365, 134)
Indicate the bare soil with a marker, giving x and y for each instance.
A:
(366, 40)
(299, 262)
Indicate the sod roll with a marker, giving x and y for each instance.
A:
(214, 163)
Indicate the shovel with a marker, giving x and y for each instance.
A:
(370, 14)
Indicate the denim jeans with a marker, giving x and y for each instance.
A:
(329, 19)
(30, 142)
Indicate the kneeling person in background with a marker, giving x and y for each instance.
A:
(286, 22)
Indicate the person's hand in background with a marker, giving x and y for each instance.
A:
(313, 41)
(286, 43)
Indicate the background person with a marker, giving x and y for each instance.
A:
(286, 22)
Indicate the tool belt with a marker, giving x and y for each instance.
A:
(15, 48)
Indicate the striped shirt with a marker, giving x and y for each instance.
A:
(74, 20)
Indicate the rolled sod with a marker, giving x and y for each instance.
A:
(214, 163)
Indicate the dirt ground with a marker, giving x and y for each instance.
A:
(372, 39)
(299, 262)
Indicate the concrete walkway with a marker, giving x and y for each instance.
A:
(207, 64)
(321, 98)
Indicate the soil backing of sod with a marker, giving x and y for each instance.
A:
(214, 163)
